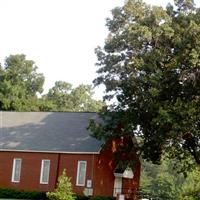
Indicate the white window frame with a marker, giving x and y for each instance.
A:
(14, 170)
(78, 172)
(42, 171)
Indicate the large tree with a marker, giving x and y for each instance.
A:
(19, 84)
(150, 63)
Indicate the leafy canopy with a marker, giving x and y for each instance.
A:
(63, 97)
(21, 88)
(151, 64)
(19, 84)
(161, 181)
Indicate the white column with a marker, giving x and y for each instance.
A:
(117, 186)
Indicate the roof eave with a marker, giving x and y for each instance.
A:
(40, 151)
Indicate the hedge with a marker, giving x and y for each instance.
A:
(94, 198)
(21, 194)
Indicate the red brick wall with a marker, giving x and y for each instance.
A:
(30, 170)
(70, 163)
(99, 170)
(104, 176)
(31, 166)
(132, 184)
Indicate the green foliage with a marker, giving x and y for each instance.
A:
(62, 97)
(191, 187)
(95, 198)
(102, 198)
(150, 63)
(20, 194)
(63, 190)
(163, 182)
(160, 181)
(78, 197)
(19, 84)
(163, 188)
(146, 183)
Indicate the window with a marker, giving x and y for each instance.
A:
(81, 173)
(16, 171)
(45, 169)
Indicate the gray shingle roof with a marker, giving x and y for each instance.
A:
(47, 131)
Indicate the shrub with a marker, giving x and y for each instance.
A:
(78, 197)
(102, 198)
(63, 190)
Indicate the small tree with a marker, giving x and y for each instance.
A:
(63, 190)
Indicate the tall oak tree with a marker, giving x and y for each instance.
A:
(150, 65)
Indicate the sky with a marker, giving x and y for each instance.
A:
(59, 35)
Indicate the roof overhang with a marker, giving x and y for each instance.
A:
(56, 152)
(127, 173)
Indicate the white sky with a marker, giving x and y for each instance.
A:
(59, 35)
